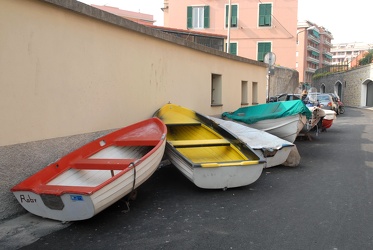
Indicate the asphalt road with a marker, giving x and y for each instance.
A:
(324, 203)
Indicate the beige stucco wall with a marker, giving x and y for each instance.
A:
(71, 72)
(64, 73)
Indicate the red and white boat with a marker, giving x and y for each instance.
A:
(328, 119)
(93, 177)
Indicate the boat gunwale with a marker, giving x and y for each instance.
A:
(238, 148)
(38, 182)
(210, 164)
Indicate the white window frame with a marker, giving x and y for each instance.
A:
(198, 17)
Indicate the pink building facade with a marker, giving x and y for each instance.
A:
(256, 27)
(137, 17)
(313, 50)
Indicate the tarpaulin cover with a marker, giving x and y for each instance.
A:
(272, 110)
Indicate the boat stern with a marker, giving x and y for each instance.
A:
(67, 207)
(227, 177)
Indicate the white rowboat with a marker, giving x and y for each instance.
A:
(93, 177)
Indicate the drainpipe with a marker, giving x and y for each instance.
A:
(229, 26)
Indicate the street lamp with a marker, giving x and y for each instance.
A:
(309, 28)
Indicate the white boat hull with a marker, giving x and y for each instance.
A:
(73, 207)
(330, 114)
(215, 177)
(317, 114)
(286, 128)
(279, 158)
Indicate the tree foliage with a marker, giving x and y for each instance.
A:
(367, 59)
(320, 75)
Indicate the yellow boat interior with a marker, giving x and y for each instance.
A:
(200, 143)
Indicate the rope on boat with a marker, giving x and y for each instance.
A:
(134, 176)
(133, 187)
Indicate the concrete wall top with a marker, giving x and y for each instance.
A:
(101, 15)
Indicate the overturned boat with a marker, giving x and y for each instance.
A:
(283, 119)
(273, 149)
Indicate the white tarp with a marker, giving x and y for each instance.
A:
(256, 139)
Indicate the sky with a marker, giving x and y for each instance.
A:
(348, 21)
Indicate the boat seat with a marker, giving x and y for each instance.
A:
(60, 190)
(146, 140)
(137, 142)
(84, 164)
(102, 164)
(199, 143)
(191, 123)
(177, 119)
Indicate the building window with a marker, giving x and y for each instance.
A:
(216, 90)
(216, 43)
(198, 17)
(244, 93)
(265, 15)
(254, 93)
(234, 15)
(263, 49)
(232, 48)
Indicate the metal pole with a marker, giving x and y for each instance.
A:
(268, 84)
(229, 26)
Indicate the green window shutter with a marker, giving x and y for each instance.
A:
(226, 15)
(267, 49)
(260, 52)
(265, 16)
(206, 13)
(268, 14)
(234, 15)
(263, 49)
(261, 20)
(233, 48)
(315, 53)
(316, 34)
(189, 17)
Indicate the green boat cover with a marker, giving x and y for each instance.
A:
(272, 110)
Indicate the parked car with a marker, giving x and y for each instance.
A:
(335, 97)
(284, 97)
(325, 101)
(335, 103)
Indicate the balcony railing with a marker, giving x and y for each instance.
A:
(328, 53)
(333, 68)
(311, 48)
(313, 38)
(311, 70)
(327, 43)
(313, 60)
